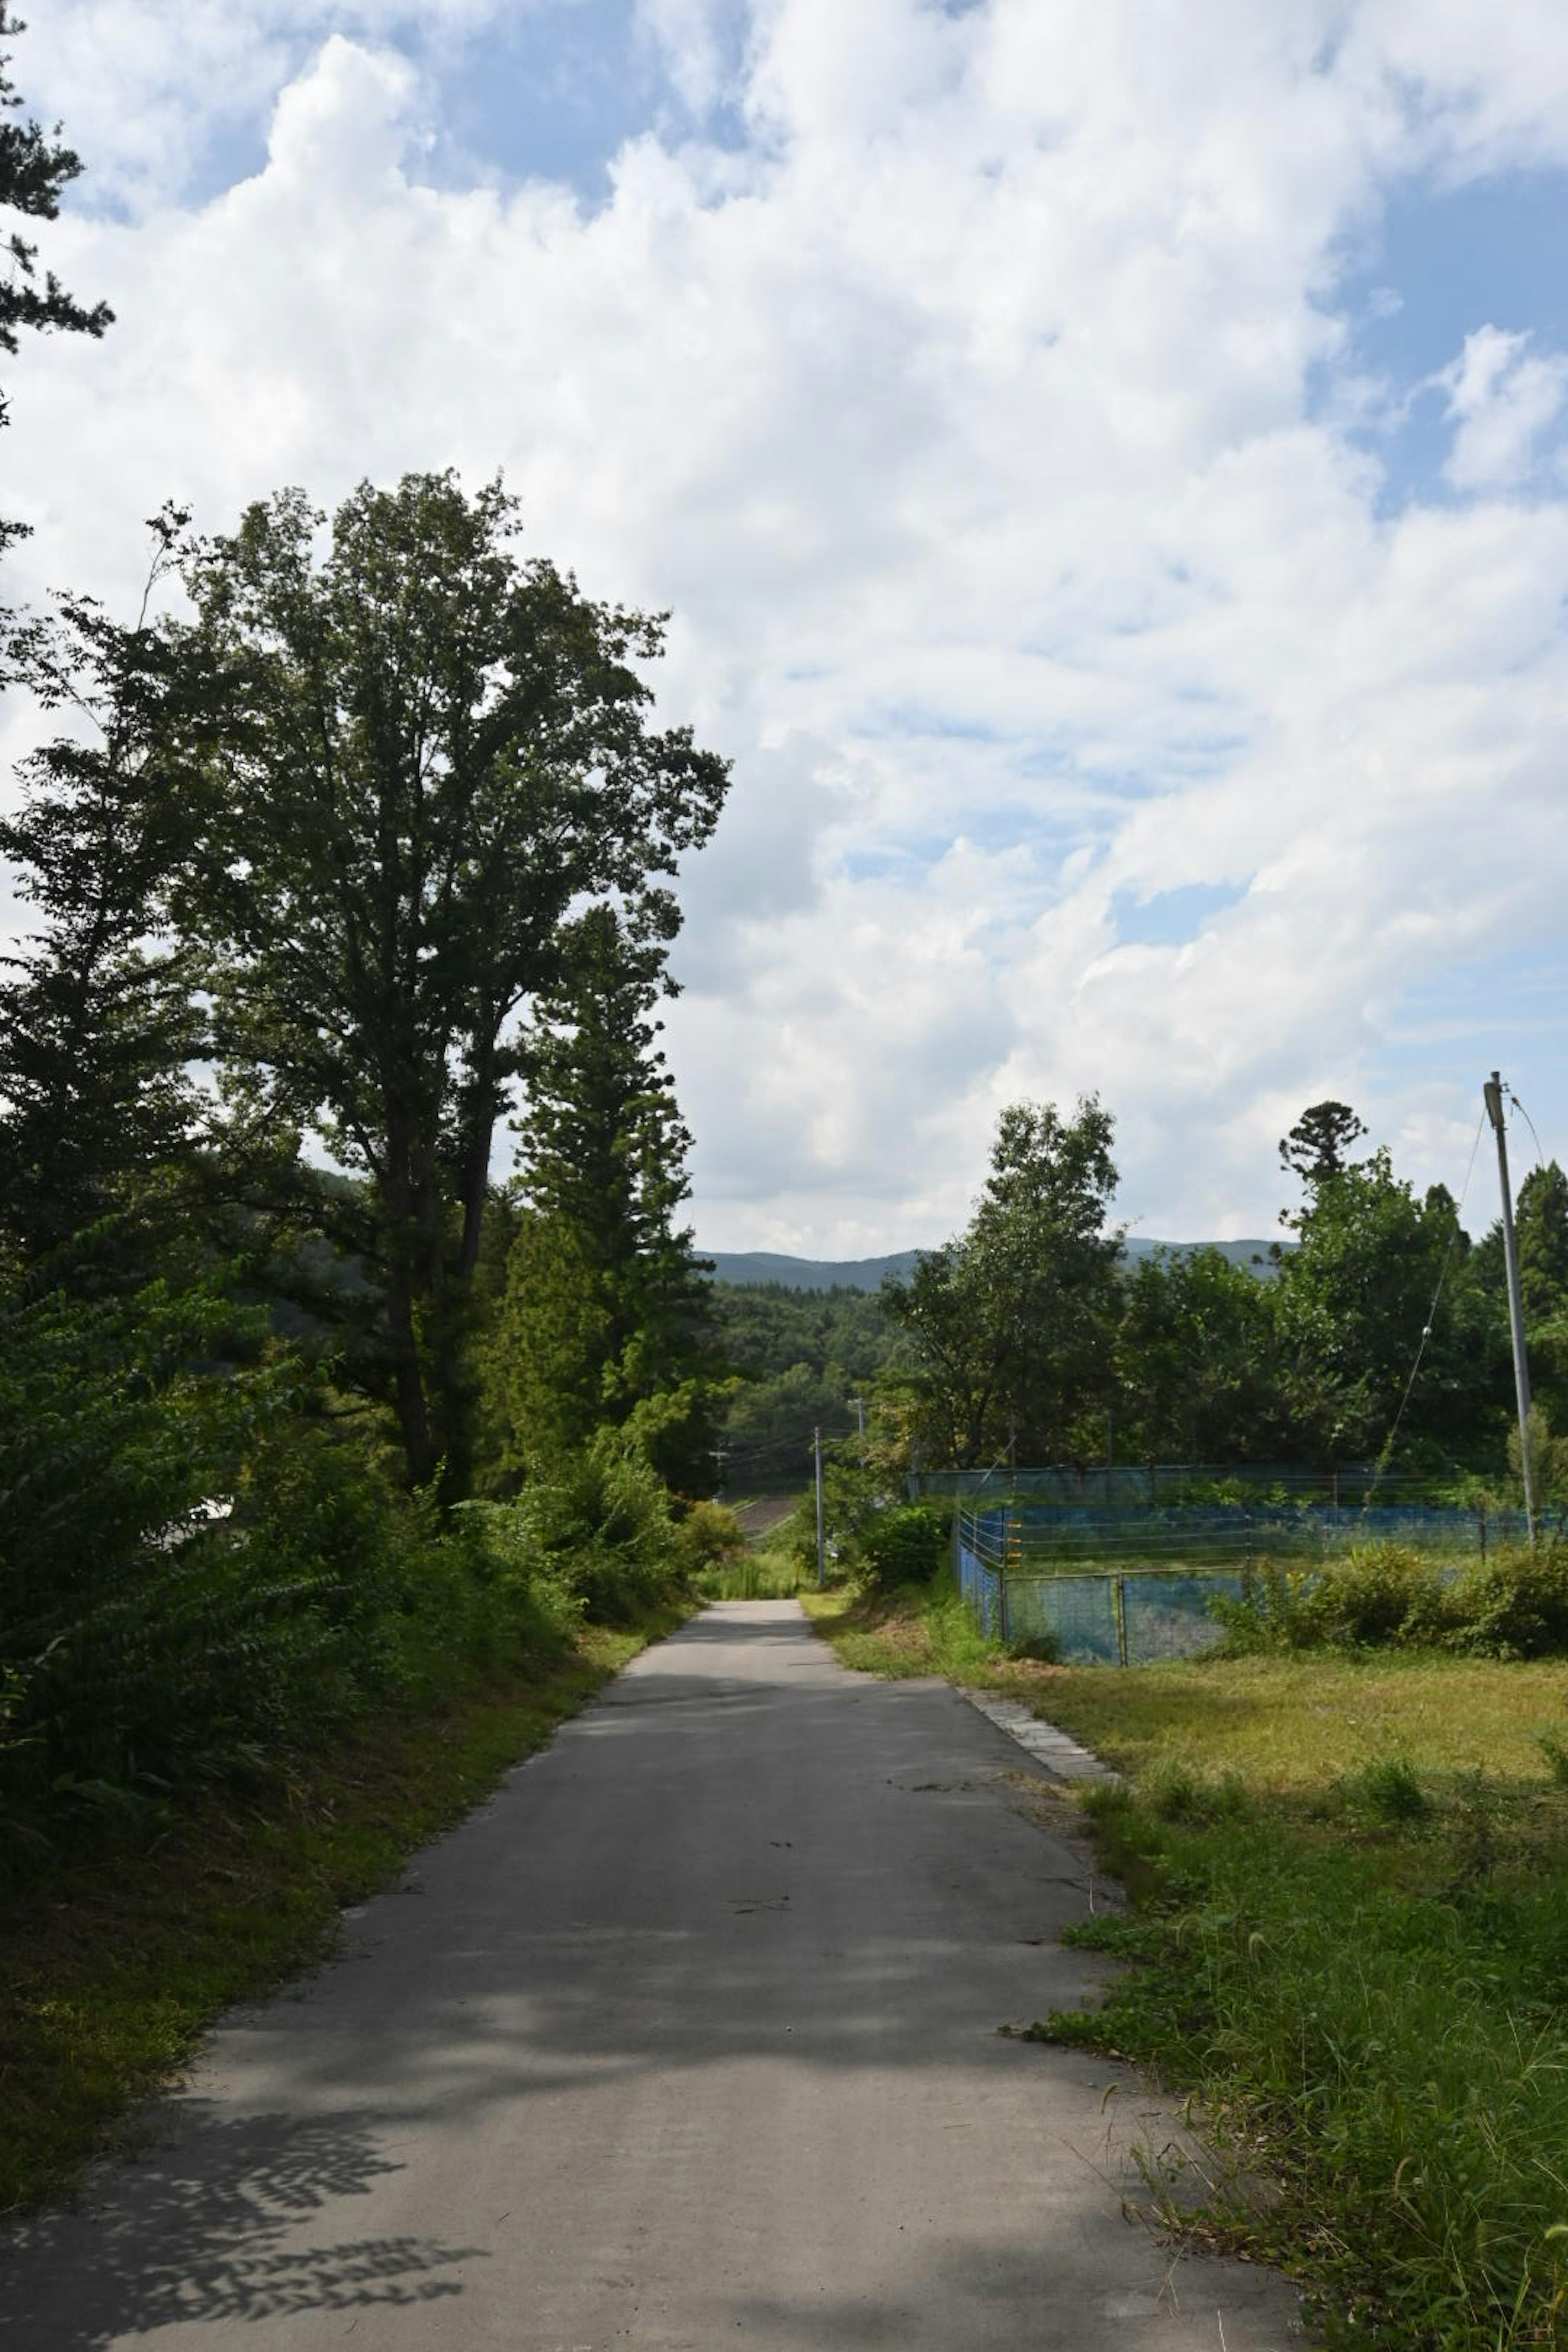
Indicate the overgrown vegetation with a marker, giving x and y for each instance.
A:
(1513, 1604)
(1348, 1938)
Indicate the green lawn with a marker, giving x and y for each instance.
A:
(1349, 1938)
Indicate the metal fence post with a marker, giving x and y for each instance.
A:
(1119, 1595)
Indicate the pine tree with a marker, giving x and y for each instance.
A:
(606, 1303)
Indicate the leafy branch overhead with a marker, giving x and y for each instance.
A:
(36, 167)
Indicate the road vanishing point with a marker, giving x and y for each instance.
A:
(686, 2038)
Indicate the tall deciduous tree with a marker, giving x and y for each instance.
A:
(1195, 1357)
(1354, 1301)
(1014, 1322)
(1541, 1223)
(608, 1305)
(436, 753)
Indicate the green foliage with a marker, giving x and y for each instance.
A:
(1319, 1146)
(1012, 1324)
(904, 1544)
(605, 1314)
(197, 1570)
(1195, 1360)
(1512, 1604)
(709, 1536)
(35, 168)
(96, 1021)
(377, 891)
(1353, 1302)
(1367, 1994)
(599, 1524)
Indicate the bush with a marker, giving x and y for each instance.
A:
(1513, 1605)
(1385, 1595)
(600, 1521)
(709, 1537)
(902, 1544)
(1378, 1594)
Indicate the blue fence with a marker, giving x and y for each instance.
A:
(1119, 1587)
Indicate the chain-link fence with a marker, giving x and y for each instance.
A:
(1127, 1587)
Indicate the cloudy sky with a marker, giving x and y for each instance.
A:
(1108, 464)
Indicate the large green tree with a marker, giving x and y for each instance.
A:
(436, 754)
(1194, 1359)
(1354, 1302)
(1013, 1323)
(607, 1304)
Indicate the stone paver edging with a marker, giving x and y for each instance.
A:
(1048, 1745)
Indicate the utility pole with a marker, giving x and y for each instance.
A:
(719, 1452)
(821, 1550)
(1493, 1093)
(860, 1405)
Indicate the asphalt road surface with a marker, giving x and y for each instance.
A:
(687, 2038)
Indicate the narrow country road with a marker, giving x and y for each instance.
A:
(687, 2039)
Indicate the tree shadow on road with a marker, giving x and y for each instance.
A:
(215, 2227)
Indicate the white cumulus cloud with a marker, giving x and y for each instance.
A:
(965, 417)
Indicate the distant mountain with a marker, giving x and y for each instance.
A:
(751, 1267)
(808, 1273)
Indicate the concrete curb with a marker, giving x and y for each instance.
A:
(1060, 1756)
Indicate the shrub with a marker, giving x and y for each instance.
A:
(900, 1545)
(709, 1536)
(1378, 1594)
(1513, 1605)
(600, 1520)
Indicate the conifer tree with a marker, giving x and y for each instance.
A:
(606, 1305)
(97, 1020)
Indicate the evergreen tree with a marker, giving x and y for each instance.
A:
(1318, 1146)
(34, 168)
(97, 1020)
(607, 1307)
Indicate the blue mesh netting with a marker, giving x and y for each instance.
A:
(1171, 1616)
(1079, 1612)
(979, 1584)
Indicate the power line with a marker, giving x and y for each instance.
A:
(1540, 1155)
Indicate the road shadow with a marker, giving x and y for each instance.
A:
(215, 2227)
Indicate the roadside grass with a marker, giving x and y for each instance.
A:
(768, 1571)
(115, 1961)
(1349, 1943)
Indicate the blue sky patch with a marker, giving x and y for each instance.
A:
(1172, 918)
(1440, 263)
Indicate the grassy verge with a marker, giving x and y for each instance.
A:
(1350, 1932)
(114, 1962)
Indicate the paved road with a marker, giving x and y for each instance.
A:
(687, 2039)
